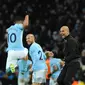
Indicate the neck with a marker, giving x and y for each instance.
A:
(67, 36)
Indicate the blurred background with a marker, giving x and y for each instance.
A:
(46, 18)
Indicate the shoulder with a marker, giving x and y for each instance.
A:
(9, 28)
(19, 26)
(34, 46)
(71, 39)
(15, 26)
(56, 60)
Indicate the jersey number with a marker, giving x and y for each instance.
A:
(39, 52)
(12, 37)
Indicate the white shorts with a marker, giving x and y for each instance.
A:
(39, 76)
(14, 55)
(23, 81)
(53, 81)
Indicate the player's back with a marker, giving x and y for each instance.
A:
(37, 56)
(15, 34)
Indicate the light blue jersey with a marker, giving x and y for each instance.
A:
(55, 62)
(38, 57)
(23, 68)
(15, 34)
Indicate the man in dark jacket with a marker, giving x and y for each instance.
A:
(72, 57)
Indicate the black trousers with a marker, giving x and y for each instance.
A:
(68, 73)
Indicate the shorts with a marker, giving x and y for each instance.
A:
(53, 81)
(39, 76)
(23, 81)
(14, 55)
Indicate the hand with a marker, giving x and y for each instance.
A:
(26, 21)
(62, 63)
(49, 75)
(30, 70)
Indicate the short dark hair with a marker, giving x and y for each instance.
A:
(18, 18)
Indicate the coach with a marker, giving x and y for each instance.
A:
(72, 57)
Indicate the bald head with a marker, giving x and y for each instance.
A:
(64, 31)
(30, 38)
(65, 28)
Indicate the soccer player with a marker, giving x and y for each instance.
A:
(39, 66)
(15, 48)
(24, 72)
(55, 64)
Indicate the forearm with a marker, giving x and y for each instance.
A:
(26, 21)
